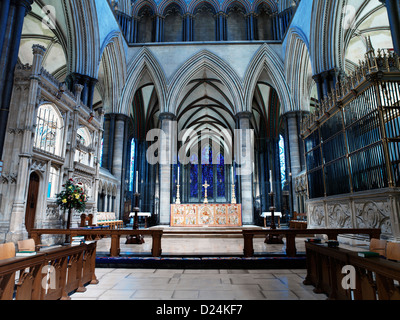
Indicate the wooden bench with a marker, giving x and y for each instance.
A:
(86, 220)
(49, 275)
(375, 277)
(299, 221)
(109, 220)
(290, 235)
(115, 235)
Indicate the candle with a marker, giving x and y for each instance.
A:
(137, 181)
(270, 180)
(233, 180)
(178, 175)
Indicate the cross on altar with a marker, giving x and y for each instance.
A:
(206, 186)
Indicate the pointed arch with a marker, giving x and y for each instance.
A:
(83, 37)
(298, 67)
(143, 64)
(267, 59)
(201, 61)
(326, 35)
(114, 70)
(140, 4)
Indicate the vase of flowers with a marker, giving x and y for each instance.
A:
(73, 197)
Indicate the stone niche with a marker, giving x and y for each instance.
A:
(373, 209)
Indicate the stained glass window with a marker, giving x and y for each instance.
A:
(101, 152)
(207, 171)
(282, 159)
(221, 176)
(48, 129)
(132, 165)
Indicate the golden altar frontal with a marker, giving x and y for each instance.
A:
(213, 215)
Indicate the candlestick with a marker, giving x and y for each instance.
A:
(270, 180)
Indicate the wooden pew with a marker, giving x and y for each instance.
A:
(48, 275)
(375, 277)
(115, 235)
(290, 235)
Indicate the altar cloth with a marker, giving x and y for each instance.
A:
(213, 215)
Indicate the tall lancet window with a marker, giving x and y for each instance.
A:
(132, 166)
(282, 159)
(210, 168)
(49, 124)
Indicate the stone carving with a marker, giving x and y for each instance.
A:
(373, 214)
(339, 216)
(317, 216)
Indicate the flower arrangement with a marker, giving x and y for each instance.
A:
(72, 197)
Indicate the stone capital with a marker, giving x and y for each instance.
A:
(244, 115)
(167, 116)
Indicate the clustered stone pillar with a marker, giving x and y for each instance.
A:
(166, 152)
(12, 14)
(245, 158)
(326, 82)
(393, 9)
(295, 164)
(115, 150)
(88, 84)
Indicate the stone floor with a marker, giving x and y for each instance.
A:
(180, 284)
(208, 284)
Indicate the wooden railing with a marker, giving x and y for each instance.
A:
(290, 235)
(374, 278)
(248, 236)
(92, 234)
(48, 275)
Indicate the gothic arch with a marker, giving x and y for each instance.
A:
(143, 64)
(267, 59)
(226, 4)
(197, 3)
(298, 68)
(112, 70)
(140, 4)
(326, 35)
(164, 4)
(83, 37)
(205, 60)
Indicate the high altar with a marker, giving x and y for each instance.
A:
(205, 214)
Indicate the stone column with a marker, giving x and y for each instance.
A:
(295, 164)
(250, 26)
(12, 16)
(118, 157)
(188, 27)
(166, 152)
(88, 84)
(393, 9)
(245, 158)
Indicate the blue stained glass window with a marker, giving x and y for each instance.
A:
(207, 171)
(282, 159)
(221, 176)
(101, 152)
(132, 168)
(194, 171)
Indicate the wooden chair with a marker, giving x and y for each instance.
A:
(27, 245)
(393, 251)
(7, 250)
(378, 246)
